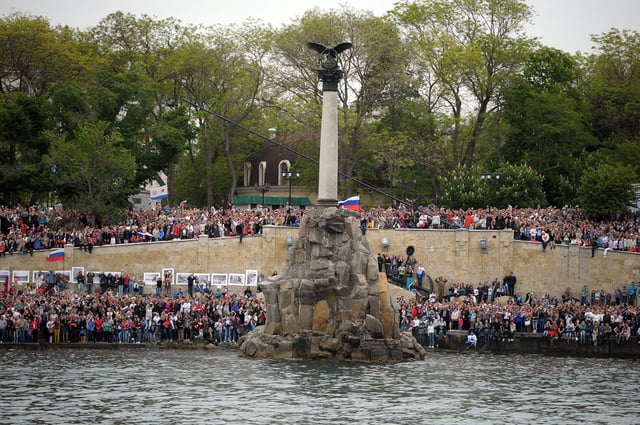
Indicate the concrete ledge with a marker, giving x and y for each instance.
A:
(530, 343)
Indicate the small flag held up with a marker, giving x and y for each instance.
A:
(352, 203)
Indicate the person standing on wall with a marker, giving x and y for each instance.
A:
(190, 281)
(167, 284)
(583, 295)
(90, 276)
(80, 280)
(509, 283)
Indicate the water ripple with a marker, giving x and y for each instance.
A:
(155, 385)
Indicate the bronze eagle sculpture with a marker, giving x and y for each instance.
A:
(329, 51)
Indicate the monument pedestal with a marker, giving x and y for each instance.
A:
(330, 302)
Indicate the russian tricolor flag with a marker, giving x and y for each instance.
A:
(57, 255)
(352, 203)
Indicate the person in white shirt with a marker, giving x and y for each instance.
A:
(435, 222)
(185, 307)
(431, 332)
(472, 340)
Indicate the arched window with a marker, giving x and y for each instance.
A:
(247, 174)
(283, 167)
(262, 172)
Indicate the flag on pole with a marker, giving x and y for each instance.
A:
(352, 203)
(158, 193)
(57, 255)
(183, 203)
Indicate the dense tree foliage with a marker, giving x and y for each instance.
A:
(435, 93)
(548, 127)
(606, 193)
(509, 185)
(93, 170)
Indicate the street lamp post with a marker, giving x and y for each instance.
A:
(490, 178)
(291, 176)
(54, 171)
(263, 189)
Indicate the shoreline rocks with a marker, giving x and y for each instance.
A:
(330, 302)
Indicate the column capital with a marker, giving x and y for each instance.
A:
(330, 78)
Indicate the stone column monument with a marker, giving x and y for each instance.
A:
(330, 302)
(330, 75)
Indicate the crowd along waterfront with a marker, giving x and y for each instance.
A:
(139, 384)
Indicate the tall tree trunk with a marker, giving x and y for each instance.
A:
(208, 159)
(475, 133)
(232, 170)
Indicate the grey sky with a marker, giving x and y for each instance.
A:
(564, 24)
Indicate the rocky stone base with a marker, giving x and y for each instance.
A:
(330, 301)
(317, 345)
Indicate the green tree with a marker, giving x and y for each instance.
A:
(547, 122)
(606, 192)
(94, 172)
(515, 185)
(135, 89)
(34, 59)
(33, 55)
(612, 85)
(519, 186)
(222, 75)
(464, 51)
(463, 188)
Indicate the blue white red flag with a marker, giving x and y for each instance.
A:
(57, 255)
(352, 203)
(183, 203)
(158, 193)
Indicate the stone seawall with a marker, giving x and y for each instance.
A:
(530, 343)
(454, 342)
(459, 255)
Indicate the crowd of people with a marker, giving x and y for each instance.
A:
(481, 310)
(25, 230)
(81, 316)
(77, 316)
(112, 314)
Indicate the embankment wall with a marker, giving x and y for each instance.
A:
(458, 255)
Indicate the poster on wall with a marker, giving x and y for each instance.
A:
(21, 277)
(181, 278)
(151, 279)
(252, 277)
(168, 274)
(39, 276)
(236, 279)
(203, 279)
(66, 274)
(219, 280)
(75, 271)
